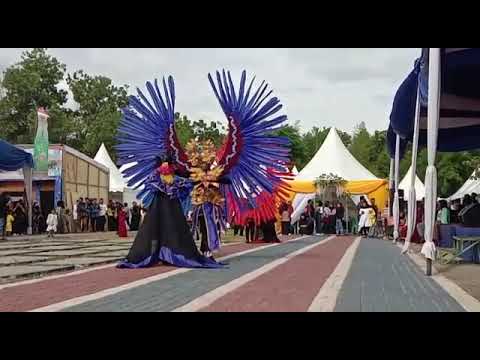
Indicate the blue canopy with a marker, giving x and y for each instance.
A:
(459, 125)
(13, 158)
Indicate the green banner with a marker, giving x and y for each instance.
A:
(40, 151)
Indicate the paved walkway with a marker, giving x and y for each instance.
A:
(382, 280)
(306, 274)
(171, 293)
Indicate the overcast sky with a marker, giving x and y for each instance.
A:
(319, 87)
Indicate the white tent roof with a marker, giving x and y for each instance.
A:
(332, 158)
(405, 185)
(470, 186)
(295, 171)
(117, 182)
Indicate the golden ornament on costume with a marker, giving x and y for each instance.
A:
(202, 155)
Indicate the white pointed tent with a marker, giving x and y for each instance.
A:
(405, 185)
(117, 182)
(295, 171)
(130, 192)
(470, 186)
(332, 158)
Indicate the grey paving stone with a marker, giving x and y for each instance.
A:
(381, 279)
(119, 253)
(30, 270)
(81, 261)
(4, 253)
(178, 290)
(73, 252)
(14, 260)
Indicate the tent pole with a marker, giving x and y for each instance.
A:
(396, 205)
(412, 196)
(27, 176)
(434, 80)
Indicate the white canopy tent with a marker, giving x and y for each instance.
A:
(118, 183)
(405, 185)
(130, 192)
(470, 186)
(332, 158)
(295, 171)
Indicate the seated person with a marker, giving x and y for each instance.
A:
(306, 223)
(268, 231)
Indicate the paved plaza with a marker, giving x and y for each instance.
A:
(312, 273)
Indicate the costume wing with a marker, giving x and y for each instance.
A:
(147, 134)
(252, 156)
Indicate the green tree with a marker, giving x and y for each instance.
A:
(98, 114)
(360, 144)
(378, 160)
(312, 140)
(184, 128)
(213, 130)
(27, 85)
(297, 147)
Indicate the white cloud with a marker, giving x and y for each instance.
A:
(319, 87)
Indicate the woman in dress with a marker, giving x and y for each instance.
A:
(363, 222)
(122, 222)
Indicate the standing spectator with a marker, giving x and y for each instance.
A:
(143, 213)
(3, 212)
(37, 219)
(102, 213)
(52, 222)
(135, 217)
(82, 214)
(319, 218)
(112, 225)
(311, 209)
(365, 219)
(290, 210)
(68, 221)
(9, 223)
(286, 219)
(339, 215)
(20, 222)
(122, 222)
(75, 218)
(326, 218)
(61, 217)
(94, 212)
(443, 216)
(127, 211)
(250, 229)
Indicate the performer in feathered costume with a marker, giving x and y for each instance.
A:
(233, 180)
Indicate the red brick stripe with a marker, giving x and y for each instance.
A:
(289, 287)
(50, 291)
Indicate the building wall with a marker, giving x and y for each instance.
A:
(82, 179)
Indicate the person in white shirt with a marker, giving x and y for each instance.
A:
(52, 222)
(102, 213)
(76, 220)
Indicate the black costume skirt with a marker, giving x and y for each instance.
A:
(165, 236)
